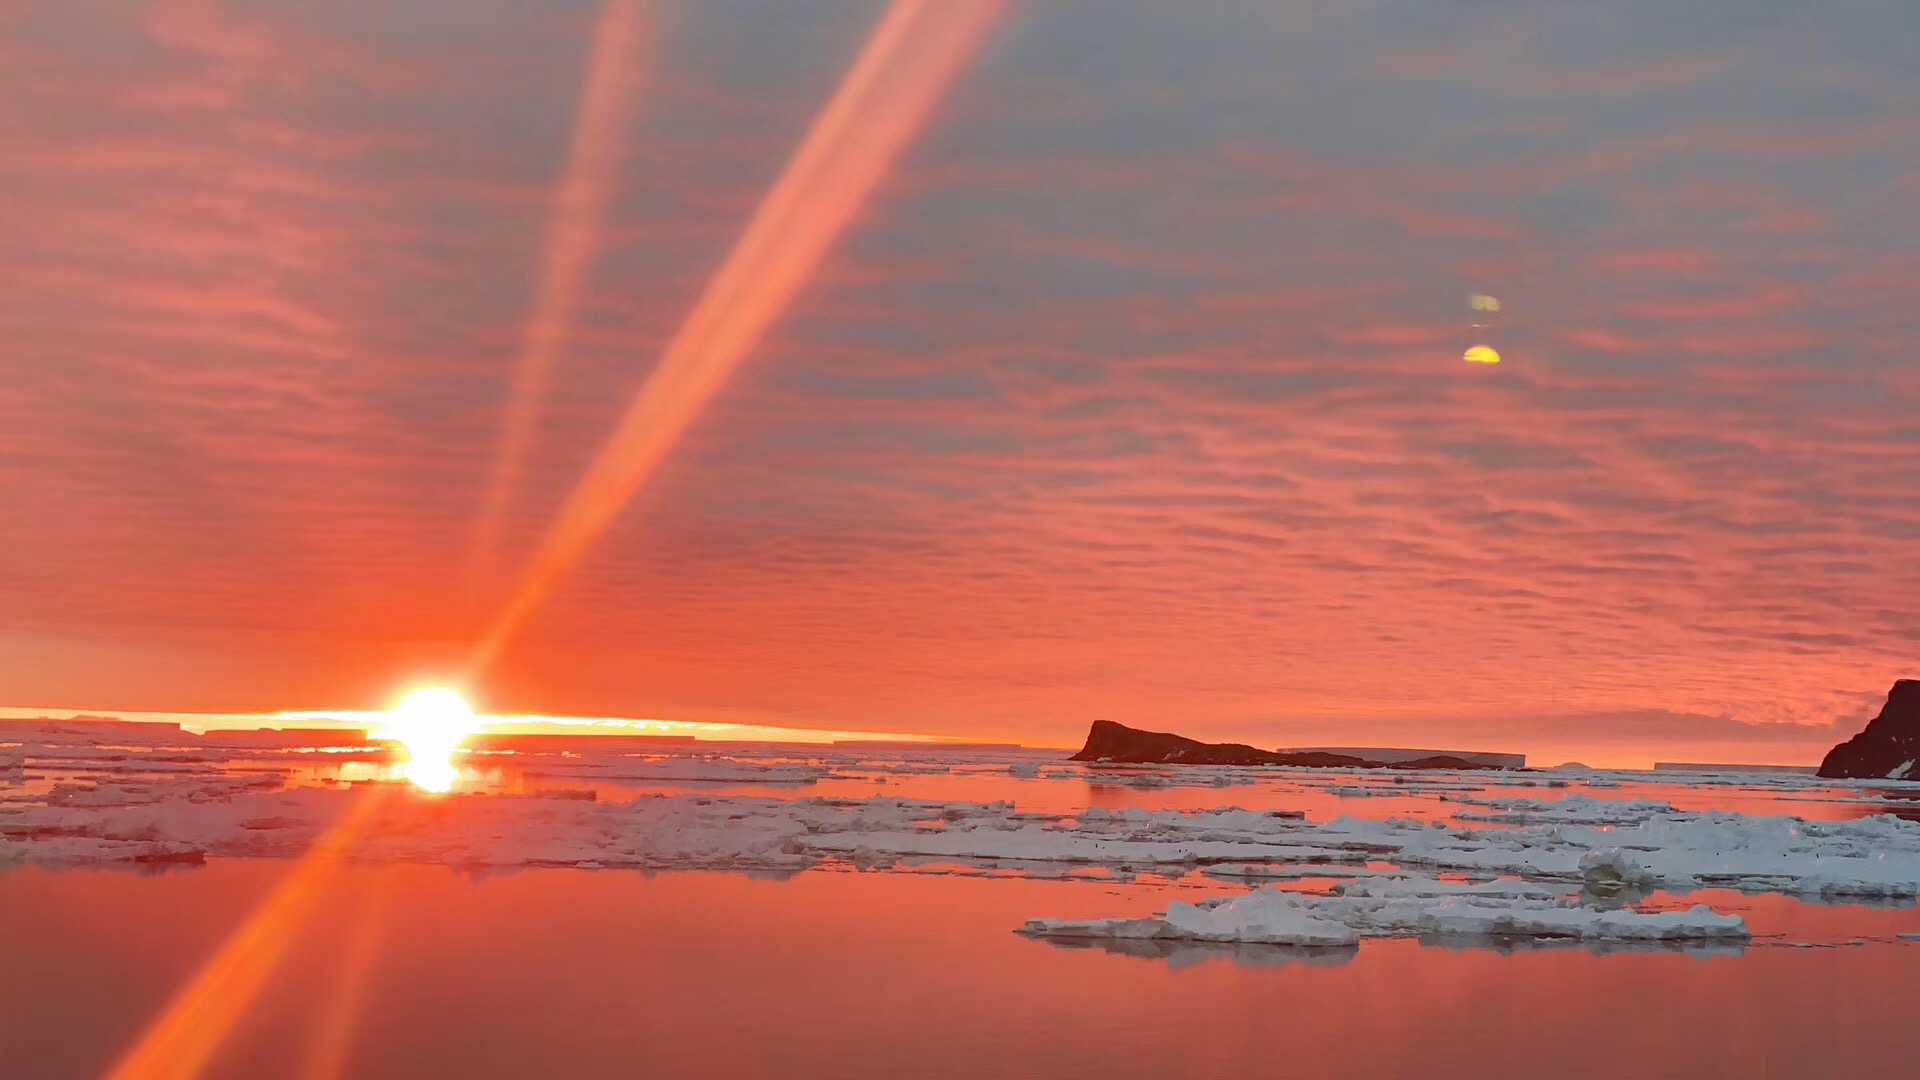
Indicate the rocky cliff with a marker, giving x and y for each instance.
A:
(1889, 748)
(1122, 745)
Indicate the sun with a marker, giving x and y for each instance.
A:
(1482, 354)
(431, 724)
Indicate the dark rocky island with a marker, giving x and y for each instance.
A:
(1122, 745)
(1889, 748)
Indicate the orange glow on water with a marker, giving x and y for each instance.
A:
(185, 1035)
(339, 1004)
(431, 724)
(888, 95)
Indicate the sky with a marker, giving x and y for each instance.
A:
(1133, 390)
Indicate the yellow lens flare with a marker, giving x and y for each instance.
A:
(1482, 354)
(431, 724)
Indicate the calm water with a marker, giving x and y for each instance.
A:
(420, 971)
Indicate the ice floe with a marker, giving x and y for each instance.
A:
(1295, 872)
(1641, 844)
(182, 805)
(1613, 868)
(717, 770)
(1571, 809)
(1411, 906)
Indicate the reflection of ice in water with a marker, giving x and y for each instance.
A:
(1182, 954)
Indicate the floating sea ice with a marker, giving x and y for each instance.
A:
(1585, 923)
(1265, 916)
(1419, 886)
(1613, 868)
(683, 769)
(62, 851)
(1569, 810)
(900, 768)
(1259, 872)
(1399, 907)
(239, 814)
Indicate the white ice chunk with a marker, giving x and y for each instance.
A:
(1266, 916)
(683, 769)
(1613, 868)
(1257, 872)
(1383, 908)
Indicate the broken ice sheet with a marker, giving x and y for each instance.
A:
(1399, 907)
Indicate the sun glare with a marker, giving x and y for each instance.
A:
(431, 724)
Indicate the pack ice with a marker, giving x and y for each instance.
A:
(1414, 905)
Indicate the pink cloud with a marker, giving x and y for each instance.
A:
(1074, 424)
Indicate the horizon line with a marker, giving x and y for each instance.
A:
(368, 720)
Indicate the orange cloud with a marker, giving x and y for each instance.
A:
(887, 96)
(574, 236)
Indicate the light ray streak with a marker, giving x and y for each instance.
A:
(909, 61)
(338, 1017)
(180, 1041)
(609, 100)
(901, 74)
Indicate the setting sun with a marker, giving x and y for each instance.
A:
(431, 724)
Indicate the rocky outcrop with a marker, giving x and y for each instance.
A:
(1438, 761)
(1122, 745)
(1108, 741)
(1889, 748)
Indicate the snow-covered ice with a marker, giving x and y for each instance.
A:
(1651, 846)
(718, 770)
(1402, 907)
(1613, 868)
(1257, 872)
(168, 806)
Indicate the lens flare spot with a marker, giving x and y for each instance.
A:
(1482, 354)
(431, 724)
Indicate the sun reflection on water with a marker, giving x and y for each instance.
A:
(430, 724)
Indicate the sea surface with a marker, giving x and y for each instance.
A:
(424, 970)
